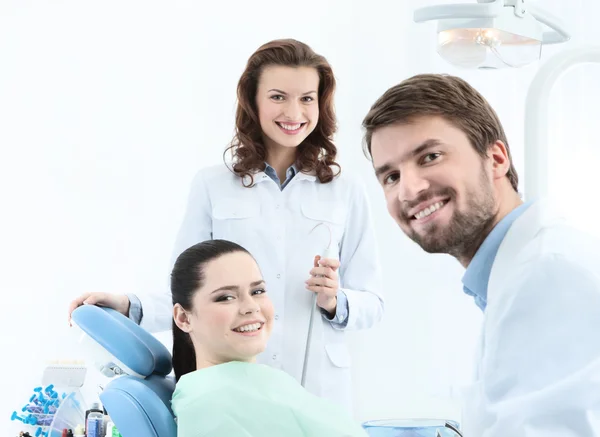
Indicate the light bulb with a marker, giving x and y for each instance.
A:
(487, 48)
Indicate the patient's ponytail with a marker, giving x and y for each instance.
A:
(184, 355)
(187, 277)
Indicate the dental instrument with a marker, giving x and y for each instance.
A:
(332, 253)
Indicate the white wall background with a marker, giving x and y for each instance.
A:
(107, 109)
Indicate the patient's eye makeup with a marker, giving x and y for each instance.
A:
(224, 298)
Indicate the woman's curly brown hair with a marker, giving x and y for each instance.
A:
(317, 152)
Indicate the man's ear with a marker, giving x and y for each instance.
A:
(500, 160)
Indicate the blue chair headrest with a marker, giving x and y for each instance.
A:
(123, 339)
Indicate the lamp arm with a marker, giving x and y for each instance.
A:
(442, 12)
(558, 34)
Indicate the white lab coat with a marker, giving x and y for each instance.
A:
(274, 226)
(538, 371)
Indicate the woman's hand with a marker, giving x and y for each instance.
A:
(324, 281)
(118, 302)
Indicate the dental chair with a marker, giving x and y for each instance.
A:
(139, 399)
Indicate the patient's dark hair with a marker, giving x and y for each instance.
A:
(187, 277)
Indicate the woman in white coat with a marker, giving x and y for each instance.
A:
(285, 200)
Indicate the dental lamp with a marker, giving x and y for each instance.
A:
(492, 33)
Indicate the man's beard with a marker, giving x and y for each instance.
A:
(466, 231)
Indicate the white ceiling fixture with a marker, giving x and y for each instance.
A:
(493, 33)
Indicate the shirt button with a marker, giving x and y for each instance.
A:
(276, 316)
(277, 207)
(274, 357)
(278, 276)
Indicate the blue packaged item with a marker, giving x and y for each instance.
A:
(95, 423)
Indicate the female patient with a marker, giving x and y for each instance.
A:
(222, 319)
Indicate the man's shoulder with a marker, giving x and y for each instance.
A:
(565, 244)
(559, 257)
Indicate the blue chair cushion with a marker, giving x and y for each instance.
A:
(141, 407)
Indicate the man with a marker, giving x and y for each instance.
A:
(443, 161)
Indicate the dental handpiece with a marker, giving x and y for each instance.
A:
(332, 253)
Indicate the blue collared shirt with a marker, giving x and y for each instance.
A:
(476, 277)
(289, 175)
(341, 312)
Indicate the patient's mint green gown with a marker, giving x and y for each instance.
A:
(239, 399)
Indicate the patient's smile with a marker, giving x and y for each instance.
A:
(249, 329)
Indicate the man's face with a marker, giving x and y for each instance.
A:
(437, 187)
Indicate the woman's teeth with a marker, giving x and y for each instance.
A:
(248, 328)
(290, 126)
(429, 210)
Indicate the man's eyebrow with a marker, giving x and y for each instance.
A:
(427, 144)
